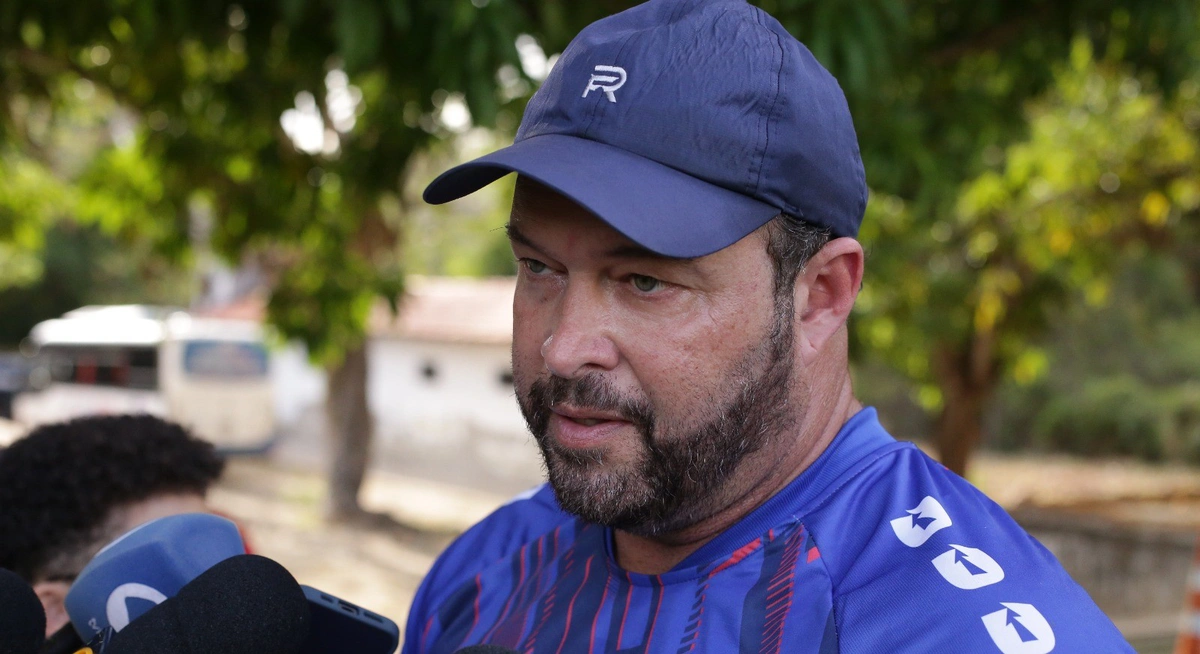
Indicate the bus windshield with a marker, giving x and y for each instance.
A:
(213, 359)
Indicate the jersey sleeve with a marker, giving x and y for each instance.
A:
(522, 519)
(922, 561)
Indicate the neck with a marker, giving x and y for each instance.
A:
(758, 478)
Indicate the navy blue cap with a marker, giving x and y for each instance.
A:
(685, 125)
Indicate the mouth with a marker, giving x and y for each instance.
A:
(578, 427)
(586, 417)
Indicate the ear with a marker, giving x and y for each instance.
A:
(53, 595)
(825, 293)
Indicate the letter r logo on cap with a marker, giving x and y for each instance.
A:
(607, 83)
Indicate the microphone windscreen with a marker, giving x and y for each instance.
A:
(146, 566)
(243, 605)
(22, 620)
(486, 649)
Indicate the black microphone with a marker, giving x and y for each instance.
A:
(486, 649)
(246, 604)
(63, 641)
(22, 620)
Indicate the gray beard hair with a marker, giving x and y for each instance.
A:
(682, 471)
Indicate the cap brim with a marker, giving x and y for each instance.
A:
(657, 207)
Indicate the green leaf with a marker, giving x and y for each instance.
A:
(359, 28)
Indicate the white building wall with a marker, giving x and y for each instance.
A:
(442, 394)
(298, 386)
(461, 425)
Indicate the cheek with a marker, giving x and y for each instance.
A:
(679, 367)
(684, 367)
(529, 334)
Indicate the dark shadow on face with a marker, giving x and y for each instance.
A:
(673, 483)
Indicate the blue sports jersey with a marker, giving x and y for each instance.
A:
(874, 548)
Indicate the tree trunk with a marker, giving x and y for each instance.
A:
(967, 380)
(350, 431)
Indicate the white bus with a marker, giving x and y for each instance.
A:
(208, 374)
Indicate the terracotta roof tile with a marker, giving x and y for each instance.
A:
(450, 309)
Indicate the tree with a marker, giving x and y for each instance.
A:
(201, 88)
(938, 91)
(1109, 168)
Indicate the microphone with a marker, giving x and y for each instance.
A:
(22, 620)
(146, 566)
(63, 641)
(155, 561)
(339, 626)
(246, 604)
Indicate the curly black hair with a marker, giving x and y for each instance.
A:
(60, 484)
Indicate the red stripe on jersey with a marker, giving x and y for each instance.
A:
(596, 620)
(587, 571)
(624, 612)
(741, 553)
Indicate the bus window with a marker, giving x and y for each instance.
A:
(142, 371)
(224, 359)
(119, 367)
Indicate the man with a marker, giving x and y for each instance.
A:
(67, 489)
(689, 188)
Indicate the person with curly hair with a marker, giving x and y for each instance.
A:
(67, 489)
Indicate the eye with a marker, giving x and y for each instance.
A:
(646, 283)
(534, 266)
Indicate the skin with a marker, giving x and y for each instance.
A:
(672, 332)
(53, 594)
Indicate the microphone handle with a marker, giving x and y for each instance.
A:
(63, 641)
(99, 643)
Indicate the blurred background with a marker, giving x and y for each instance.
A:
(210, 211)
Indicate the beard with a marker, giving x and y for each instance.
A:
(682, 468)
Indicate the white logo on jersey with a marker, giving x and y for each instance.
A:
(607, 83)
(968, 568)
(1019, 629)
(922, 522)
(118, 611)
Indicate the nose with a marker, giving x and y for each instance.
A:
(580, 340)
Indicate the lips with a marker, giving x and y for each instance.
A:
(585, 416)
(584, 428)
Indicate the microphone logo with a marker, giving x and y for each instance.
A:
(117, 607)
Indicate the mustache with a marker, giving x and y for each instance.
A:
(591, 391)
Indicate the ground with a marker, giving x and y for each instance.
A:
(379, 567)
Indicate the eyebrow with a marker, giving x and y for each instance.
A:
(516, 236)
(624, 251)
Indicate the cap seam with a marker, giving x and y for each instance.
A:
(679, 9)
(774, 101)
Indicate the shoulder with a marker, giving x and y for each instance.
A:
(919, 558)
(497, 537)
